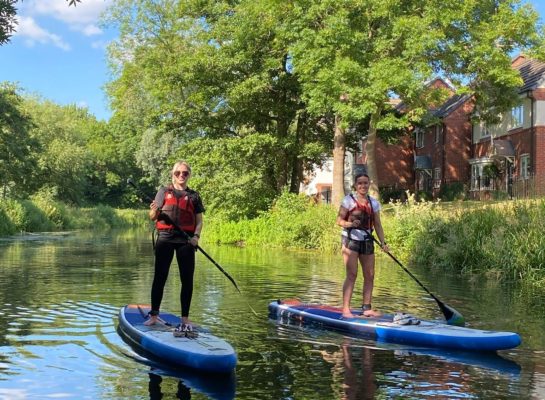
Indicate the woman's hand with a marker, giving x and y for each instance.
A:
(153, 210)
(194, 240)
(384, 247)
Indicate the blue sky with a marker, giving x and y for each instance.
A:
(59, 52)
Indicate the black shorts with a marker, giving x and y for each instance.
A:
(359, 246)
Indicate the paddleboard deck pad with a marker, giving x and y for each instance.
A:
(424, 333)
(203, 351)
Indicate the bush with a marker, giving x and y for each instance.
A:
(452, 191)
(43, 214)
(294, 221)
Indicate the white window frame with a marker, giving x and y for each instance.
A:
(525, 166)
(419, 138)
(438, 132)
(517, 116)
(485, 130)
(437, 178)
(477, 176)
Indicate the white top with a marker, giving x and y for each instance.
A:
(349, 203)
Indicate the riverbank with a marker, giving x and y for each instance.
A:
(501, 240)
(42, 215)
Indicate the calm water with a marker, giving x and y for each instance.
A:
(60, 294)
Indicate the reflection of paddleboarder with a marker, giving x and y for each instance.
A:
(154, 388)
(356, 367)
(364, 386)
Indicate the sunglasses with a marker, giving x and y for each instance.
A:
(185, 174)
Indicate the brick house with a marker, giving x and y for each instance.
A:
(455, 155)
(428, 159)
(510, 157)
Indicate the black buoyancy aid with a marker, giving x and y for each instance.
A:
(180, 209)
(363, 212)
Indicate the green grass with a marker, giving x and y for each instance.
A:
(43, 215)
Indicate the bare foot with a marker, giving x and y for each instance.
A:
(348, 315)
(153, 319)
(371, 313)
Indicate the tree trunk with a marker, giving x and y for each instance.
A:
(296, 161)
(339, 147)
(370, 154)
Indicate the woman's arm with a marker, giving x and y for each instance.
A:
(342, 221)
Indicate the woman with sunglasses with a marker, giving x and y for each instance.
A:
(177, 212)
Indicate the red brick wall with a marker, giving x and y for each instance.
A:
(539, 162)
(538, 94)
(394, 163)
(458, 132)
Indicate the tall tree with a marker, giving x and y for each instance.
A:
(17, 148)
(218, 70)
(354, 55)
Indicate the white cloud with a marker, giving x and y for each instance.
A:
(82, 18)
(32, 33)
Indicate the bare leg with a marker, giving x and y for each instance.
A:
(368, 267)
(351, 263)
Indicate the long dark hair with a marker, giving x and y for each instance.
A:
(359, 175)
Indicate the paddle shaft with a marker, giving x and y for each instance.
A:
(186, 236)
(447, 311)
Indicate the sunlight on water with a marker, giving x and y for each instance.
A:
(60, 295)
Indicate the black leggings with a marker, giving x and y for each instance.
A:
(185, 255)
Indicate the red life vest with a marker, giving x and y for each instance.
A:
(180, 209)
(363, 212)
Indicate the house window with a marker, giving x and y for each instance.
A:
(437, 178)
(485, 131)
(419, 138)
(438, 132)
(517, 117)
(479, 181)
(525, 166)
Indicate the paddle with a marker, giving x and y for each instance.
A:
(452, 316)
(187, 237)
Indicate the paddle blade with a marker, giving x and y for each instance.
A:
(452, 316)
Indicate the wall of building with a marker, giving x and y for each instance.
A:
(394, 163)
(457, 148)
(506, 125)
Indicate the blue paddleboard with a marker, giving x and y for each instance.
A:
(205, 352)
(383, 328)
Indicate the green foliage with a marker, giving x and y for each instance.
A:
(16, 156)
(228, 75)
(11, 217)
(7, 20)
(502, 240)
(453, 191)
(294, 221)
(43, 214)
(232, 174)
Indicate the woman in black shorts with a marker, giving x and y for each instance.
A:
(359, 215)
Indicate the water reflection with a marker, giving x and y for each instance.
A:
(60, 295)
(363, 369)
(215, 387)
